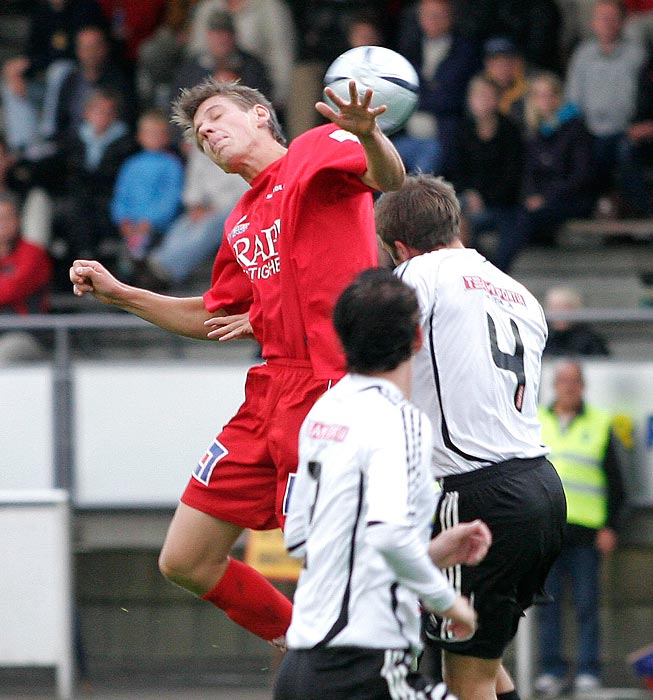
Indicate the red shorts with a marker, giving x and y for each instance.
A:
(243, 477)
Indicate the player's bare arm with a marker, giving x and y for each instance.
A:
(465, 543)
(385, 169)
(181, 315)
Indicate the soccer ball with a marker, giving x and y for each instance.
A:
(391, 76)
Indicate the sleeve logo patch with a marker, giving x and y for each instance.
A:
(326, 431)
(211, 457)
(341, 135)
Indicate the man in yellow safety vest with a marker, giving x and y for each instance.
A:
(587, 449)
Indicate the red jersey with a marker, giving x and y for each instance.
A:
(635, 6)
(24, 278)
(300, 236)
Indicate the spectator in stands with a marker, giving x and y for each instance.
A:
(570, 338)
(223, 54)
(25, 273)
(147, 195)
(602, 84)
(364, 29)
(535, 26)
(92, 157)
(324, 32)
(558, 178)
(639, 21)
(36, 205)
(130, 23)
(504, 65)
(94, 68)
(159, 56)
(485, 168)
(589, 455)
(263, 28)
(53, 26)
(445, 62)
(20, 105)
(635, 152)
(194, 237)
(32, 82)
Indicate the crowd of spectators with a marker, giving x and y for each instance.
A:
(537, 112)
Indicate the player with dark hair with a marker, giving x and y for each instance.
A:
(360, 515)
(293, 242)
(477, 377)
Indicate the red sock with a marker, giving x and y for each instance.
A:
(251, 601)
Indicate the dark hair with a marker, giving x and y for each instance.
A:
(423, 214)
(377, 320)
(190, 99)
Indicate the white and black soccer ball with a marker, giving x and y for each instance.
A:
(391, 76)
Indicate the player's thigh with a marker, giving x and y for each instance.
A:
(470, 677)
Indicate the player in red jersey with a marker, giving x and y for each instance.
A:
(291, 245)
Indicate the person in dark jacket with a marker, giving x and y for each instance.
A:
(558, 180)
(223, 56)
(94, 68)
(445, 62)
(485, 168)
(93, 156)
(570, 338)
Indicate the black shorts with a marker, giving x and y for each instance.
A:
(523, 504)
(352, 673)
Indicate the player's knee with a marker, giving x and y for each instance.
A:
(176, 569)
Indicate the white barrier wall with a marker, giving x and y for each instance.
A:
(26, 435)
(35, 585)
(139, 429)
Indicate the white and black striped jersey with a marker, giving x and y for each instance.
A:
(364, 472)
(477, 375)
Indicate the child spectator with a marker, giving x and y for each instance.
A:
(209, 196)
(147, 196)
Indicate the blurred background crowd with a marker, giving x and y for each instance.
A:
(538, 112)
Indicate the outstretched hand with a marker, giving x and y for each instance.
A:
(225, 328)
(355, 116)
(465, 543)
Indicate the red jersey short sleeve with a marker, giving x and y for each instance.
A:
(231, 289)
(300, 234)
